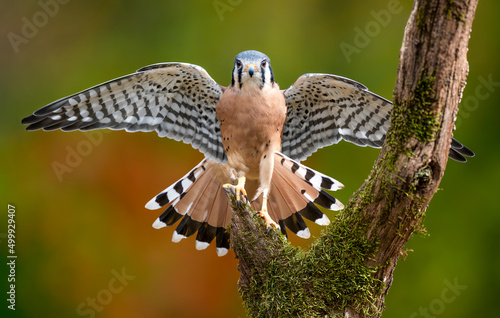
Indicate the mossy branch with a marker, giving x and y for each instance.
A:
(348, 270)
(280, 280)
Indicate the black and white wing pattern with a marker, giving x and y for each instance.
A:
(323, 109)
(177, 100)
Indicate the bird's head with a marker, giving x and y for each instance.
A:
(252, 69)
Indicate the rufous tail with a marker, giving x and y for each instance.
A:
(200, 202)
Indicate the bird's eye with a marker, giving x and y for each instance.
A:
(264, 63)
(238, 64)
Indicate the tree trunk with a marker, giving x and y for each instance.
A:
(348, 270)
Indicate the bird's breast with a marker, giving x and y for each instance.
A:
(251, 127)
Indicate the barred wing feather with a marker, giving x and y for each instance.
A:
(177, 100)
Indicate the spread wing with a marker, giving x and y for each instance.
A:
(323, 109)
(177, 100)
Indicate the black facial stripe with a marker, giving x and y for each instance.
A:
(263, 72)
(240, 73)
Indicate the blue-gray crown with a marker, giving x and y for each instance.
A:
(251, 55)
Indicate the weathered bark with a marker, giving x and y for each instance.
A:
(348, 270)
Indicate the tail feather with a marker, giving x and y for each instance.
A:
(216, 216)
(205, 236)
(186, 228)
(199, 201)
(177, 189)
(199, 198)
(297, 225)
(202, 206)
(295, 189)
(220, 211)
(316, 179)
(208, 204)
(312, 213)
(222, 241)
(284, 197)
(167, 218)
(326, 200)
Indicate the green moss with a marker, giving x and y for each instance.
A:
(448, 8)
(320, 282)
(414, 118)
(422, 18)
(420, 228)
(452, 10)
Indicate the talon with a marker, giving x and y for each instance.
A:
(239, 191)
(269, 222)
(265, 215)
(227, 187)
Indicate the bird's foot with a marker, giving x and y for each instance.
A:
(240, 190)
(269, 222)
(265, 215)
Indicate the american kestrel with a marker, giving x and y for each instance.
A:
(252, 134)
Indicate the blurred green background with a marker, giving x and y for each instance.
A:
(77, 232)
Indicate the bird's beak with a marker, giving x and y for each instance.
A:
(251, 69)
